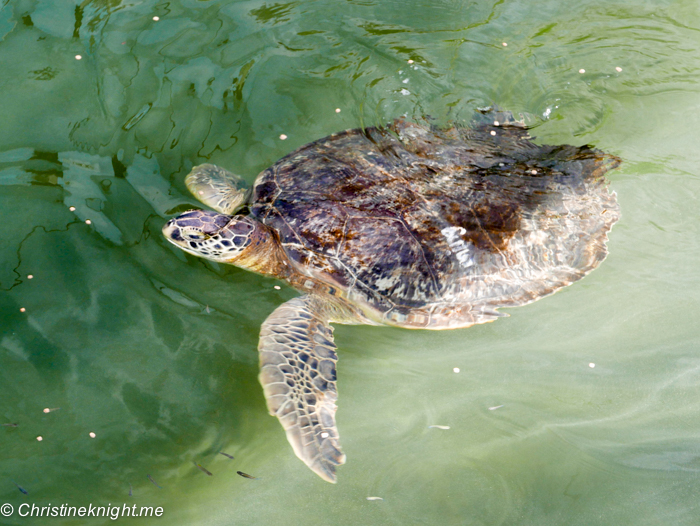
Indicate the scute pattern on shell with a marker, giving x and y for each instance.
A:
(437, 228)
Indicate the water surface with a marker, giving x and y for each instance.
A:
(155, 351)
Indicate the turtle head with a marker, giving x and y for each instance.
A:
(211, 235)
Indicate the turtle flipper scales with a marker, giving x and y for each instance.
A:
(216, 187)
(298, 374)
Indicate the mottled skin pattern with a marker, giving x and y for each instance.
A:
(407, 225)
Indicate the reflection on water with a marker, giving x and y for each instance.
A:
(155, 351)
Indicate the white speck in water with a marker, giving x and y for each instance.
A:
(405, 92)
(92, 435)
(374, 498)
(591, 365)
(505, 45)
(496, 123)
(201, 192)
(156, 18)
(78, 57)
(439, 427)
(493, 132)
(495, 407)
(410, 61)
(40, 438)
(534, 172)
(88, 222)
(618, 69)
(456, 369)
(23, 309)
(547, 112)
(501, 165)
(337, 110)
(72, 209)
(405, 81)
(324, 435)
(283, 137)
(277, 287)
(581, 70)
(47, 410)
(30, 276)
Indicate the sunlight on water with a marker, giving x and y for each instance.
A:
(155, 352)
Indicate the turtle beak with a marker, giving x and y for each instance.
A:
(172, 232)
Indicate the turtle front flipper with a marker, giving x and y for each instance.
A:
(297, 371)
(218, 188)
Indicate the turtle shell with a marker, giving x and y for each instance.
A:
(437, 228)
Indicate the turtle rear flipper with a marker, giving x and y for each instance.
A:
(218, 188)
(297, 371)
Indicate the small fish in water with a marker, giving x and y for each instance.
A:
(220, 453)
(208, 311)
(20, 488)
(204, 469)
(154, 482)
(495, 407)
(51, 410)
(131, 491)
(374, 498)
(10, 425)
(439, 427)
(246, 475)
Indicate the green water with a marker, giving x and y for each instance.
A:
(155, 351)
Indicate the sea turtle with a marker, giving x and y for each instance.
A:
(408, 225)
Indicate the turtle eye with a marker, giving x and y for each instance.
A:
(193, 234)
